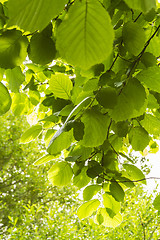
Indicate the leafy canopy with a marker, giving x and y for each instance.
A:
(91, 80)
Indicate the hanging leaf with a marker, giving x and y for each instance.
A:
(81, 180)
(13, 48)
(31, 134)
(96, 126)
(151, 124)
(139, 138)
(60, 174)
(20, 104)
(87, 209)
(156, 202)
(107, 97)
(111, 203)
(90, 191)
(41, 49)
(5, 99)
(61, 140)
(133, 37)
(15, 77)
(131, 102)
(117, 191)
(33, 15)
(88, 34)
(60, 85)
(44, 159)
(141, 5)
(134, 173)
(106, 220)
(150, 78)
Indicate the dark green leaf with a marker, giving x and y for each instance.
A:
(117, 191)
(41, 49)
(107, 97)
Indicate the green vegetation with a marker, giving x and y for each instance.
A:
(31, 208)
(87, 72)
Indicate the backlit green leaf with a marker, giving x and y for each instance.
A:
(5, 99)
(111, 203)
(60, 141)
(150, 78)
(90, 191)
(134, 173)
(151, 124)
(44, 159)
(15, 78)
(138, 138)
(13, 48)
(60, 174)
(33, 15)
(156, 202)
(87, 209)
(81, 180)
(88, 34)
(142, 5)
(95, 131)
(61, 85)
(31, 134)
(107, 220)
(131, 102)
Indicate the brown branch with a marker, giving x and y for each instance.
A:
(125, 181)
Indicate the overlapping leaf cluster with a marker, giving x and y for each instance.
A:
(92, 78)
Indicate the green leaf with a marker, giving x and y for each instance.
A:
(15, 77)
(88, 34)
(156, 202)
(151, 124)
(117, 191)
(107, 97)
(141, 5)
(150, 78)
(133, 37)
(123, 181)
(81, 180)
(138, 138)
(13, 48)
(44, 159)
(41, 49)
(131, 102)
(90, 191)
(60, 174)
(61, 85)
(87, 209)
(82, 152)
(5, 99)
(95, 170)
(19, 104)
(31, 134)
(61, 140)
(111, 203)
(33, 15)
(148, 59)
(96, 126)
(107, 220)
(134, 173)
